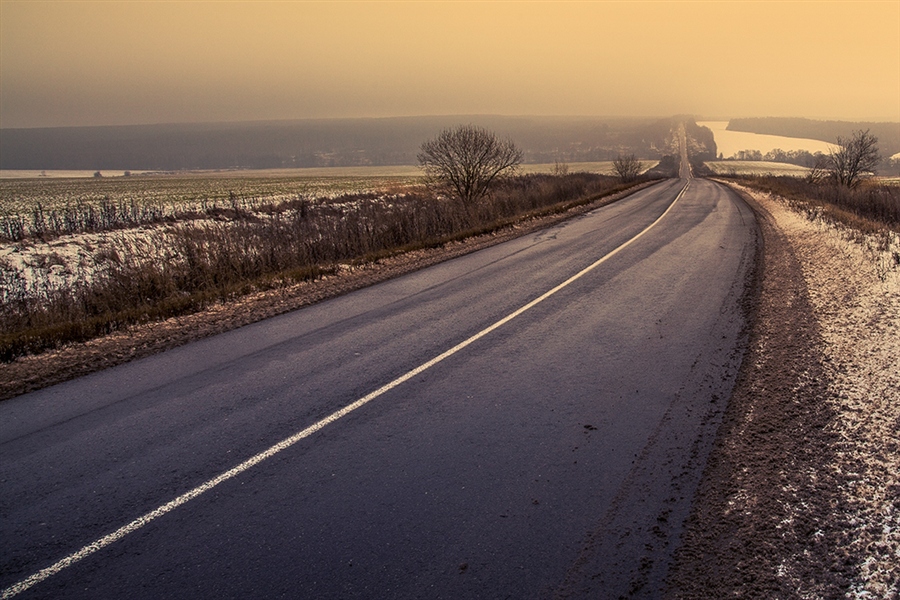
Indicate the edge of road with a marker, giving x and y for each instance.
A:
(721, 550)
(656, 492)
(286, 443)
(32, 373)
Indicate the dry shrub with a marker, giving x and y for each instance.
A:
(233, 251)
(871, 207)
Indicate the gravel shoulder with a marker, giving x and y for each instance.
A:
(801, 494)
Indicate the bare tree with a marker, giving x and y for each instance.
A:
(854, 157)
(627, 167)
(468, 159)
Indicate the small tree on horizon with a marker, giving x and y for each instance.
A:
(468, 159)
(627, 167)
(854, 157)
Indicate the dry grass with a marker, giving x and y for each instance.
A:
(852, 278)
(47, 208)
(182, 265)
(737, 168)
(871, 208)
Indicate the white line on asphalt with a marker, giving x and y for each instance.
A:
(290, 441)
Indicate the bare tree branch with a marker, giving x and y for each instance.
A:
(468, 159)
(854, 157)
(627, 167)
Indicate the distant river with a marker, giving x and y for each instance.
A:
(730, 142)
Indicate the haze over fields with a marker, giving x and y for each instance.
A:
(122, 63)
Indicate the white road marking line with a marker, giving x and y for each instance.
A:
(290, 441)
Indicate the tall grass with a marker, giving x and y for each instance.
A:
(46, 223)
(46, 208)
(869, 208)
(233, 251)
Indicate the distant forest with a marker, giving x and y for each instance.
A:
(322, 142)
(888, 134)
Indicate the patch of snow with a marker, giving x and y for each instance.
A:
(853, 282)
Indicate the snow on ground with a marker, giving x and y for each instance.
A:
(755, 167)
(38, 266)
(854, 285)
(729, 142)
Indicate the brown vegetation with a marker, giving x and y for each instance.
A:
(465, 161)
(854, 157)
(870, 207)
(799, 497)
(627, 167)
(208, 260)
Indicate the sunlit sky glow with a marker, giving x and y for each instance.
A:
(117, 62)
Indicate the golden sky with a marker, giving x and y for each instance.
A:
(124, 62)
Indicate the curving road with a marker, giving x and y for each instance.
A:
(551, 451)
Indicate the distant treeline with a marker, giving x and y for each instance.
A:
(888, 134)
(701, 141)
(803, 158)
(319, 143)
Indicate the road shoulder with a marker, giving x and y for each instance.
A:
(31, 373)
(799, 497)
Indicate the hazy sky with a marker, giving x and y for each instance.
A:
(122, 62)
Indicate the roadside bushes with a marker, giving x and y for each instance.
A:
(868, 207)
(181, 266)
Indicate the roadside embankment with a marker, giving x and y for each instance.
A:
(801, 495)
(35, 371)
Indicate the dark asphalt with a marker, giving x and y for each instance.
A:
(556, 455)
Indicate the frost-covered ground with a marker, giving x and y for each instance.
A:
(755, 167)
(40, 267)
(853, 282)
(800, 497)
(39, 264)
(134, 218)
(179, 193)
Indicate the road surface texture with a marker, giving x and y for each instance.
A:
(553, 451)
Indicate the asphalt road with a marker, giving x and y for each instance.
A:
(555, 454)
